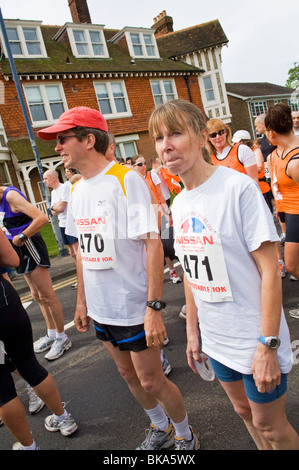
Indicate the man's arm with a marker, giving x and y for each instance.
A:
(81, 319)
(153, 324)
(266, 369)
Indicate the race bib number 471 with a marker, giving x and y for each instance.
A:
(202, 259)
(96, 242)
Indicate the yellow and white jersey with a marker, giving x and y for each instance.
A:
(112, 211)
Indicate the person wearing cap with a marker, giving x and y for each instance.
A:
(120, 271)
(224, 152)
(244, 137)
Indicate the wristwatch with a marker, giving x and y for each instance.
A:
(156, 304)
(23, 237)
(272, 342)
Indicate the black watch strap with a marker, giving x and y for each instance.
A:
(156, 304)
(23, 237)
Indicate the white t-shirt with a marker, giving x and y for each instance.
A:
(245, 155)
(70, 221)
(61, 194)
(216, 227)
(117, 199)
(164, 186)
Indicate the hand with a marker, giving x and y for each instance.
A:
(193, 351)
(16, 241)
(81, 319)
(266, 369)
(155, 331)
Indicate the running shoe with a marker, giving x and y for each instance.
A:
(166, 366)
(43, 344)
(35, 403)
(156, 439)
(58, 347)
(293, 278)
(191, 444)
(283, 270)
(294, 313)
(67, 426)
(183, 312)
(174, 277)
(18, 446)
(1, 422)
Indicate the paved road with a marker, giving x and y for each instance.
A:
(108, 417)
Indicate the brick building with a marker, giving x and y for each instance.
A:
(123, 73)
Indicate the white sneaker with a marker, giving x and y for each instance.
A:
(67, 426)
(18, 446)
(43, 344)
(183, 312)
(294, 313)
(293, 278)
(174, 277)
(58, 348)
(36, 404)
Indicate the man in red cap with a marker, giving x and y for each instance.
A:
(120, 271)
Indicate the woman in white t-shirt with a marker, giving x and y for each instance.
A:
(225, 240)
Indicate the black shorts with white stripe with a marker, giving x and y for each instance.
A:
(32, 253)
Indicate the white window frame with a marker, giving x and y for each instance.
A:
(162, 87)
(45, 101)
(114, 114)
(207, 90)
(262, 105)
(121, 141)
(20, 26)
(142, 43)
(86, 29)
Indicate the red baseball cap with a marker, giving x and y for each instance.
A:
(78, 116)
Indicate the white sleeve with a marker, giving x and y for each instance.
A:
(246, 156)
(155, 178)
(141, 218)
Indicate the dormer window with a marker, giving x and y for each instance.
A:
(87, 40)
(25, 39)
(143, 45)
(140, 42)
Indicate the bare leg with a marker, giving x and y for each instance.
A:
(42, 291)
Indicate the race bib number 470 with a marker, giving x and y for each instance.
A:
(202, 259)
(96, 242)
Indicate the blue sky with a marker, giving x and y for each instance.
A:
(263, 34)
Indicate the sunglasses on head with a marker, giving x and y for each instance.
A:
(214, 134)
(139, 164)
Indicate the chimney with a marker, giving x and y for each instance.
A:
(163, 24)
(79, 11)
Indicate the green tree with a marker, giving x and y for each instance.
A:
(293, 79)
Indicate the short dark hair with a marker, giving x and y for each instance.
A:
(279, 119)
(101, 137)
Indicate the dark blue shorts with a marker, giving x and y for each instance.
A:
(126, 338)
(292, 228)
(225, 374)
(67, 239)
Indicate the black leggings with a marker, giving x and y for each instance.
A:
(17, 340)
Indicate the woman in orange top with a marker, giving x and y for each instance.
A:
(224, 152)
(285, 166)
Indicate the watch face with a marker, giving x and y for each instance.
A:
(158, 304)
(273, 342)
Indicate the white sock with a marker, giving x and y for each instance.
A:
(158, 417)
(32, 447)
(182, 429)
(61, 417)
(62, 335)
(51, 334)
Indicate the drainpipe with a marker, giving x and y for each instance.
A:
(186, 77)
